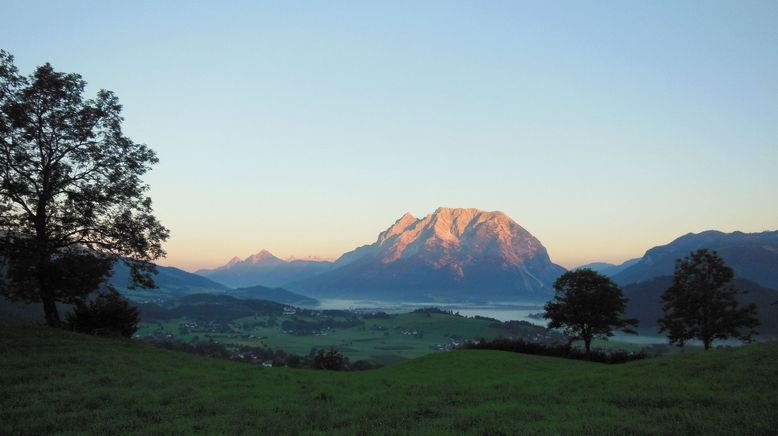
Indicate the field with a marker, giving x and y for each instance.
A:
(383, 341)
(380, 338)
(397, 338)
(60, 382)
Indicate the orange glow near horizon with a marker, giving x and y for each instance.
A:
(565, 246)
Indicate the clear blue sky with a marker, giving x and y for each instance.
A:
(305, 128)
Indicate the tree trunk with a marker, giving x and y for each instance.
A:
(46, 293)
(50, 309)
(588, 344)
(707, 343)
(44, 257)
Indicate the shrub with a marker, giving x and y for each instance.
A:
(555, 350)
(435, 310)
(331, 360)
(376, 315)
(108, 314)
(201, 348)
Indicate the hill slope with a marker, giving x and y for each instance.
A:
(279, 295)
(171, 283)
(464, 254)
(56, 381)
(753, 256)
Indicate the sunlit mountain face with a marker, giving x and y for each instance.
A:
(450, 253)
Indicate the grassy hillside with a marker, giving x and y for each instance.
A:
(54, 381)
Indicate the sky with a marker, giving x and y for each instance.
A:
(305, 128)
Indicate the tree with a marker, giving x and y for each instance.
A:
(701, 303)
(331, 360)
(107, 312)
(587, 305)
(71, 197)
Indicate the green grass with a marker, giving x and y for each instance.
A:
(59, 382)
(377, 337)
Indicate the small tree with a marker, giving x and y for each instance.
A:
(71, 197)
(587, 305)
(107, 313)
(331, 360)
(701, 303)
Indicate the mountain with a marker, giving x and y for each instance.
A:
(310, 259)
(464, 254)
(264, 269)
(609, 269)
(277, 295)
(209, 307)
(645, 302)
(753, 256)
(171, 282)
(597, 266)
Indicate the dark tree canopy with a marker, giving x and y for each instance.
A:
(701, 303)
(107, 314)
(331, 360)
(72, 200)
(587, 305)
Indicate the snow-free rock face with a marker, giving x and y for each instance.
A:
(451, 253)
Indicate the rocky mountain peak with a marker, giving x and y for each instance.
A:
(454, 236)
(399, 226)
(262, 255)
(450, 250)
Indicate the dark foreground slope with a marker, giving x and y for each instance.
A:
(53, 381)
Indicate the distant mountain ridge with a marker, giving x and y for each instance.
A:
(753, 256)
(609, 269)
(264, 269)
(450, 253)
(475, 255)
(170, 281)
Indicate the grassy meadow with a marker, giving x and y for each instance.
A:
(59, 382)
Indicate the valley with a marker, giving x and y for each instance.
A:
(375, 336)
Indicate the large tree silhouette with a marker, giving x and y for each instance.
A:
(587, 305)
(701, 303)
(72, 200)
